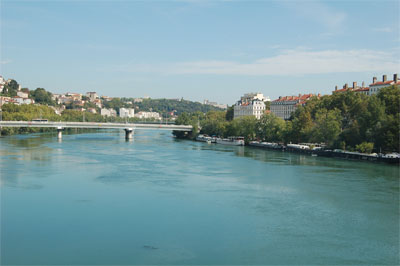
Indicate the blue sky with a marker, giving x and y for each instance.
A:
(197, 50)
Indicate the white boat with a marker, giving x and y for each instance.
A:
(392, 155)
(235, 141)
(298, 146)
(204, 138)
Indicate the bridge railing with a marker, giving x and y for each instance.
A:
(94, 125)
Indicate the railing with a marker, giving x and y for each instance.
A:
(95, 125)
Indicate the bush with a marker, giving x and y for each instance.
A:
(365, 147)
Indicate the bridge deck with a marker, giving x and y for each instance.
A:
(94, 125)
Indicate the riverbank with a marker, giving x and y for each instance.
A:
(391, 159)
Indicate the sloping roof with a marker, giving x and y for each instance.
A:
(294, 98)
(362, 89)
(388, 82)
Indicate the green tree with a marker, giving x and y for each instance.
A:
(42, 96)
(229, 113)
(270, 128)
(365, 147)
(327, 126)
(10, 89)
(302, 125)
(246, 127)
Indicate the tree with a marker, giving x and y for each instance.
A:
(270, 128)
(10, 89)
(247, 127)
(365, 147)
(229, 113)
(42, 96)
(327, 126)
(301, 125)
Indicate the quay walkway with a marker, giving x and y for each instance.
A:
(128, 127)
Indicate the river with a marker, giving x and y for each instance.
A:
(94, 198)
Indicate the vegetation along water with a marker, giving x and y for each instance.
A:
(347, 121)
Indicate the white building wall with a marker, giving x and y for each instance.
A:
(374, 89)
(255, 108)
(108, 112)
(127, 112)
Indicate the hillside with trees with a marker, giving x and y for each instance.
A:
(162, 106)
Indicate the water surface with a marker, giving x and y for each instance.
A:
(96, 199)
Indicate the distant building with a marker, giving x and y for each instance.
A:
(377, 85)
(355, 88)
(250, 104)
(98, 103)
(20, 100)
(362, 90)
(127, 112)
(22, 94)
(148, 115)
(222, 106)
(56, 96)
(64, 100)
(92, 110)
(79, 103)
(285, 106)
(106, 98)
(74, 96)
(92, 96)
(137, 100)
(4, 100)
(108, 112)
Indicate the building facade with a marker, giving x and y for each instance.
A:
(148, 115)
(250, 104)
(283, 107)
(375, 86)
(127, 112)
(92, 96)
(108, 112)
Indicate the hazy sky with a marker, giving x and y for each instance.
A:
(214, 50)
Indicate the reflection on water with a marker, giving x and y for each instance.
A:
(97, 199)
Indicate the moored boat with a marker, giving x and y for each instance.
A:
(204, 138)
(235, 141)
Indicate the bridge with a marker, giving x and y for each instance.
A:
(128, 127)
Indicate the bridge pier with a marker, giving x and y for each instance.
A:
(128, 133)
(59, 132)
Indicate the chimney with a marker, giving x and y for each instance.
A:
(374, 80)
(299, 94)
(395, 78)
(384, 78)
(354, 85)
(346, 86)
(363, 84)
(336, 88)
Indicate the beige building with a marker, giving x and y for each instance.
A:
(355, 88)
(92, 96)
(285, 106)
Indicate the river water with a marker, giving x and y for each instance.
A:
(96, 199)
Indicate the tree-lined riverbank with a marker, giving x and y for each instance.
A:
(347, 121)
